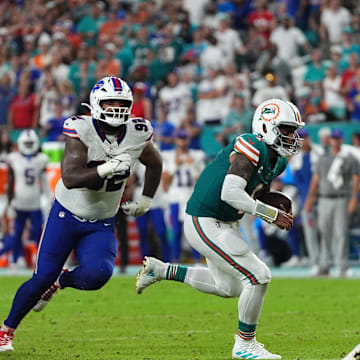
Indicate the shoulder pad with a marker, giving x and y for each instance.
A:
(70, 127)
(142, 128)
(250, 146)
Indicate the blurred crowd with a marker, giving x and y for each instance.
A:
(197, 70)
(218, 59)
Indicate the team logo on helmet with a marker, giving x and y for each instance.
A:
(97, 86)
(270, 112)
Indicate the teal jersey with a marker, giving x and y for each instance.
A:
(206, 198)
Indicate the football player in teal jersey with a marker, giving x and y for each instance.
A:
(228, 187)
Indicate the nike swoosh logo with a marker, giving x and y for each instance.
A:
(106, 224)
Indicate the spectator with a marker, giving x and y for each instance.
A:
(348, 47)
(141, 47)
(163, 129)
(43, 58)
(46, 97)
(192, 127)
(349, 74)
(59, 69)
(210, 18)
(262, 19)
(67, 98)
(176, 98)
(109, 65)
(255, 52)
(271, 90)
(212, 55)
(23, 111)
(315, 111)
(334, 100)
(335, 184)
(229, 40)
(52, 130)
(353, 103)
(142, 106)
(90, 25)
(82, 76)
(112, 25)
(316, 70)
(7, 93)
(237, 121)
(211, 106)
(333, 20)
(288, 39)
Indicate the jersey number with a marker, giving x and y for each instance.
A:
(116, 182)
(29, 176)
(180, 177)
(140, 124)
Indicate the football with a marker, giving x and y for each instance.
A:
(276, 199)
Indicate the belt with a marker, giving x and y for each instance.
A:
(333, 196)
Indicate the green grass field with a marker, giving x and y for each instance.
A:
(302, 319)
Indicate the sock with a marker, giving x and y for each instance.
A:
(250, 305)
(176, 272)
(7, 329)
(246, 331)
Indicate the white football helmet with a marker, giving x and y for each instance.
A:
(111, 88)
(267, 119)
(28, 142)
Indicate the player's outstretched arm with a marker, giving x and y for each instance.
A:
(74, 170)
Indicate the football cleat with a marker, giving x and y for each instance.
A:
(6, 341)
(47, 295)
(251, 349)
(153, 270)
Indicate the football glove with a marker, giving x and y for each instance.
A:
(117, 165)
(137, 208)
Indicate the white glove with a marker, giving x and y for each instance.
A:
(118, 165)
(137, 208)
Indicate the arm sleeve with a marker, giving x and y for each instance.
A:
(233, 193)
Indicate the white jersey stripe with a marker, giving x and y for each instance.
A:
(242, 149)
(249, 146)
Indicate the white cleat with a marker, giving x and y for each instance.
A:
(6, 341)
(45, 298)
(152, 271)
(47, 295)
(251, 349)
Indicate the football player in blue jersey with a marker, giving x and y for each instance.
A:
(100, 153)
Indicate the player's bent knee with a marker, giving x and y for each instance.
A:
(226, 291)
(264, 274)
(97, 278)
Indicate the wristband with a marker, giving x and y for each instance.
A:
(265, 212)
